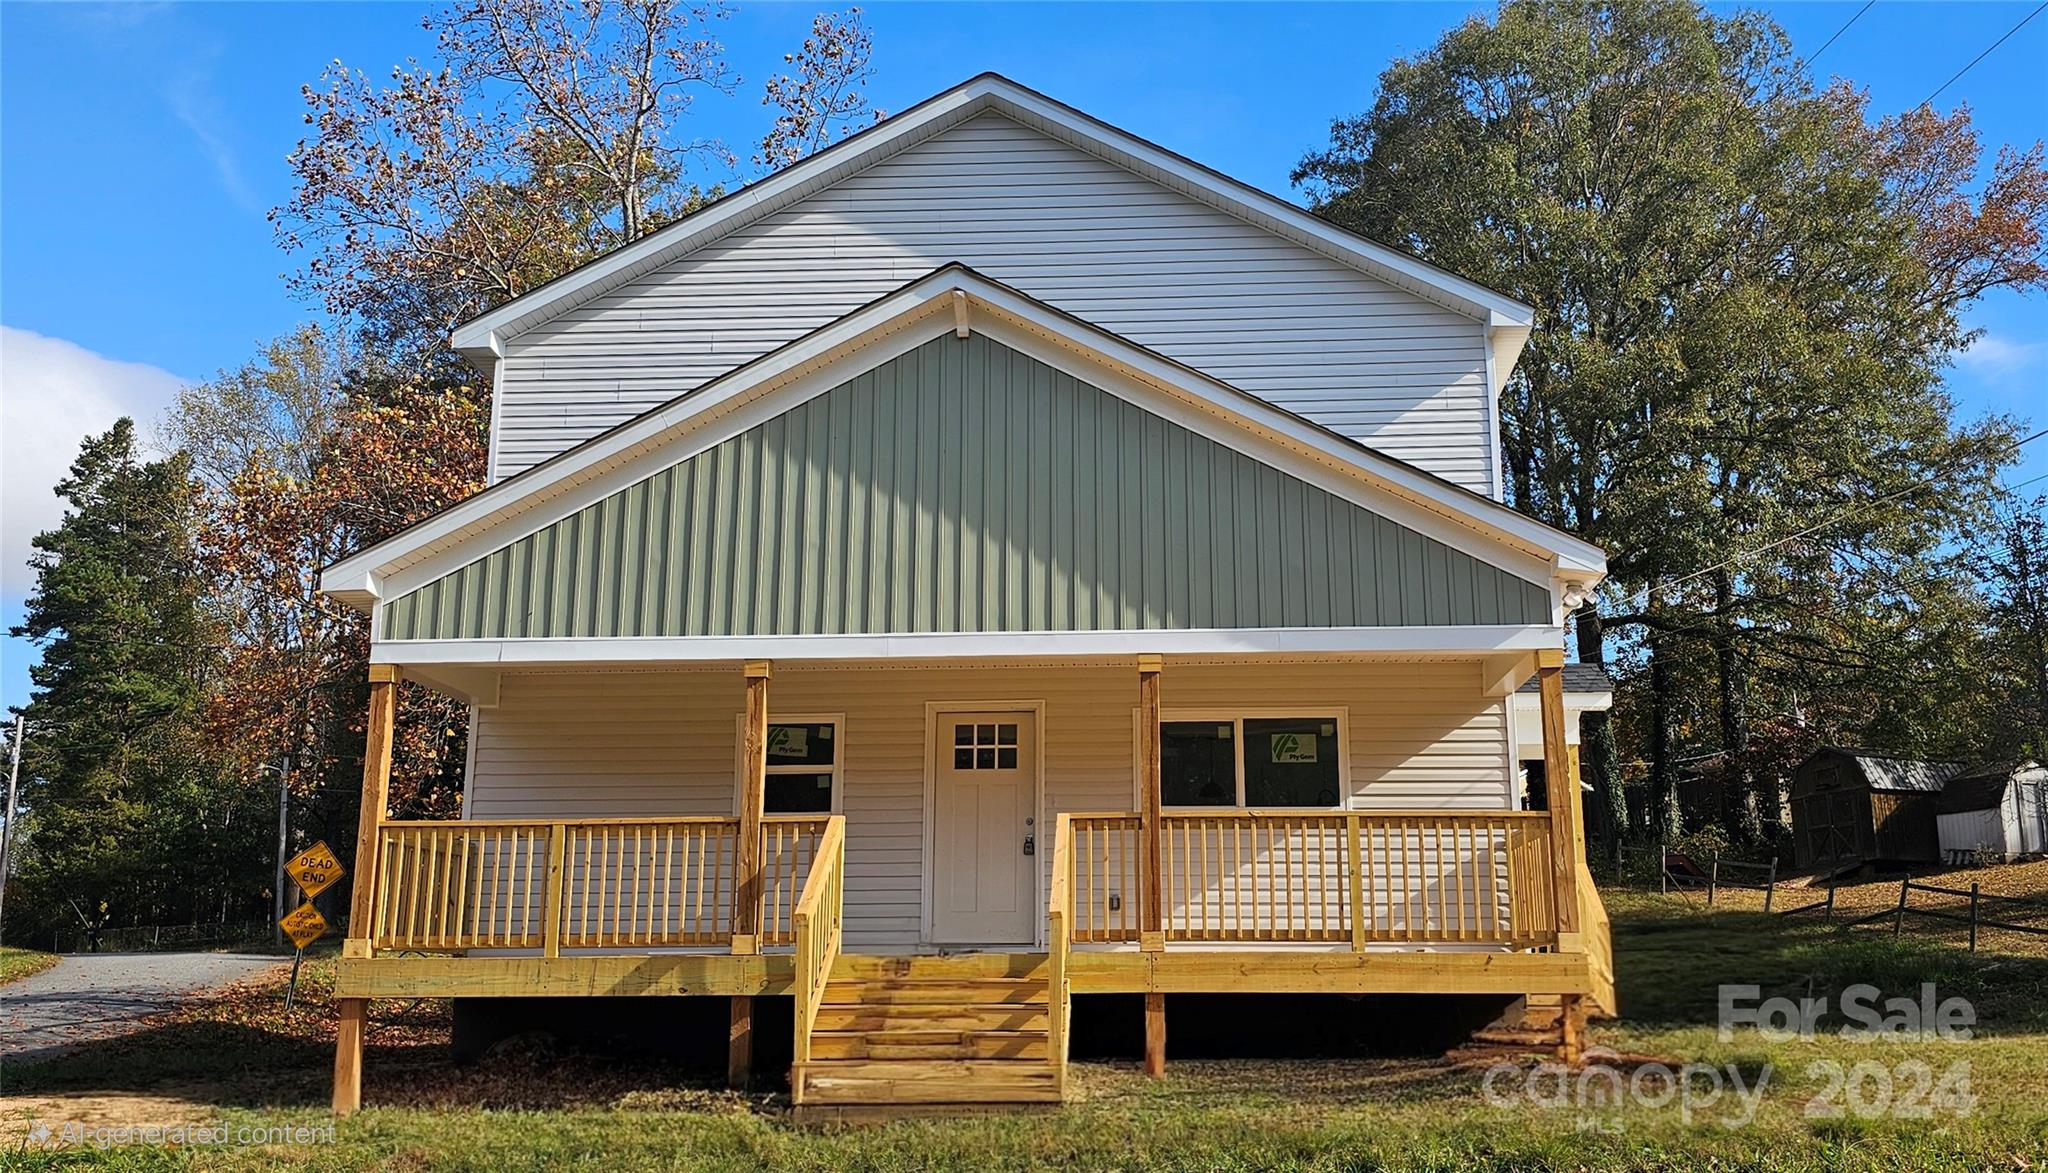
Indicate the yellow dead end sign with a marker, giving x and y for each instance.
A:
(304, 925)
(315, 869)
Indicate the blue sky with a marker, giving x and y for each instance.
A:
(140, 146)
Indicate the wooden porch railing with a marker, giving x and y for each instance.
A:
(1058, 940)
(585, 883)
(818, 916)
(1433, 877)
(1599, 944)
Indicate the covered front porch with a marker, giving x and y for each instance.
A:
(849, 909)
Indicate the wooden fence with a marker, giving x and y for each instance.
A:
(1973, 912)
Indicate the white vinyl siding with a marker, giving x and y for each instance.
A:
(1135, 258)
(661, 743)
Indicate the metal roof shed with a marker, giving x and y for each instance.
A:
(1854, 805)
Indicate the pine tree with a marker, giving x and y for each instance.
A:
(127, 811)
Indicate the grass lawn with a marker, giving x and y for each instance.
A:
(238, 1062)
(16, 964)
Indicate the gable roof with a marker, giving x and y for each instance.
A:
(1984, 787)
(954, 297)
(1885, 772)
(1508, 321)
(1578, 677)
(961, 487)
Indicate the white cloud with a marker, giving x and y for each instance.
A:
(190, 94)
(1995, 357)
(53, 394)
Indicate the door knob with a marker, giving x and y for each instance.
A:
(1031, 845)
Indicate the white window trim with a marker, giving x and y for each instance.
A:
(837, 769)
(1237, 715)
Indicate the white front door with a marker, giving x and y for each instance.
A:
(984, 889)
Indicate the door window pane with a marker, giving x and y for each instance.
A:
(1197, 763)
(985, 747)
(1290, 761)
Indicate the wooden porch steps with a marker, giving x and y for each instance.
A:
(1540, 1027)
(939, 1033)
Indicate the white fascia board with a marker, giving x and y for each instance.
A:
(541, 653)
(896, 324)
(486, 335)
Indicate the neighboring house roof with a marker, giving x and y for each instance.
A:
(1983, 788)
(956, 299)
(1508, 320)
(1884, 772)
(1577, 678)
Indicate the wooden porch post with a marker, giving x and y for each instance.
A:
(348, 1040)
(1561, 794)
(739, 1059)
(1567, 844)
(1151, 914)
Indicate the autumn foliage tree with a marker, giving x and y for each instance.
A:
(292, 688)
(303, 455)
(1747, 288)
(543, 135)
(540, 136)
(825, 98)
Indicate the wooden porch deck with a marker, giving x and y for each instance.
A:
(1249, 902)
(1149, 902)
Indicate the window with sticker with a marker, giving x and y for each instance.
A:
(803, 768)
(1247, 761)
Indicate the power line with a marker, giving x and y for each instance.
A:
(1838, 32)
(2010, 489)
(1986, 53)
(1851, 509)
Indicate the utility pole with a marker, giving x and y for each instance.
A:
(7, 832)
(284, 810)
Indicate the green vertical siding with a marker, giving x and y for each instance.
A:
(963, 487)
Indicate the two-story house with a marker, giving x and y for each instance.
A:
(990, 562)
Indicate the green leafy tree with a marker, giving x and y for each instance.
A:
(2014, 562)
(1746, 292)
(128, 811)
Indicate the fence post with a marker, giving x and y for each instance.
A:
(1973, 918)
(1714, 880)
(1828, 914)
(1899, 917)
(1771, 885)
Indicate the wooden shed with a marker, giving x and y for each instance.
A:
(1852, 805)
